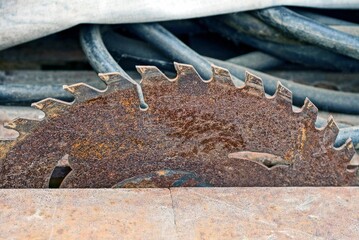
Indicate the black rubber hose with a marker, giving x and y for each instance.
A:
(310, 31)
(118, 45)
(29, 93)
(309, 56)
(102, 61)
(171, 46)
(334, 23)
(345, 133)
(251, 25)
(257, 60)
(253, 32)
(144, 52)
(96, 52)
(324, 99)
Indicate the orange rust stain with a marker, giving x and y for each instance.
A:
(5, 147)
(289, 155)
(128, 105)
(161, 173)
(303, 138)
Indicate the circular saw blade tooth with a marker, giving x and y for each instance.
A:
(186, 72)
(151, 74)
(254, 84)
(111, 77)
(51, 106)
(283, 95)
(347, 148)
(330, 132)
(309, 112)
(222, 75)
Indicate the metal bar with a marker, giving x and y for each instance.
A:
(180, 213)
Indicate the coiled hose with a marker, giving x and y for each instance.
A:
(310, 31)
(253, 32)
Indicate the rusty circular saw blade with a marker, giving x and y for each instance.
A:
(225, 135)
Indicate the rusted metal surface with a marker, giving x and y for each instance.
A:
(180, 213)
(191, 125)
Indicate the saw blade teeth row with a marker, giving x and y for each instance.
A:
(284, 94)
(82, 91)
(114, 81)
(254, 83)
(184, 71)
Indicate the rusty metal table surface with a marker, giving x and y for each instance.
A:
(180, 213)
